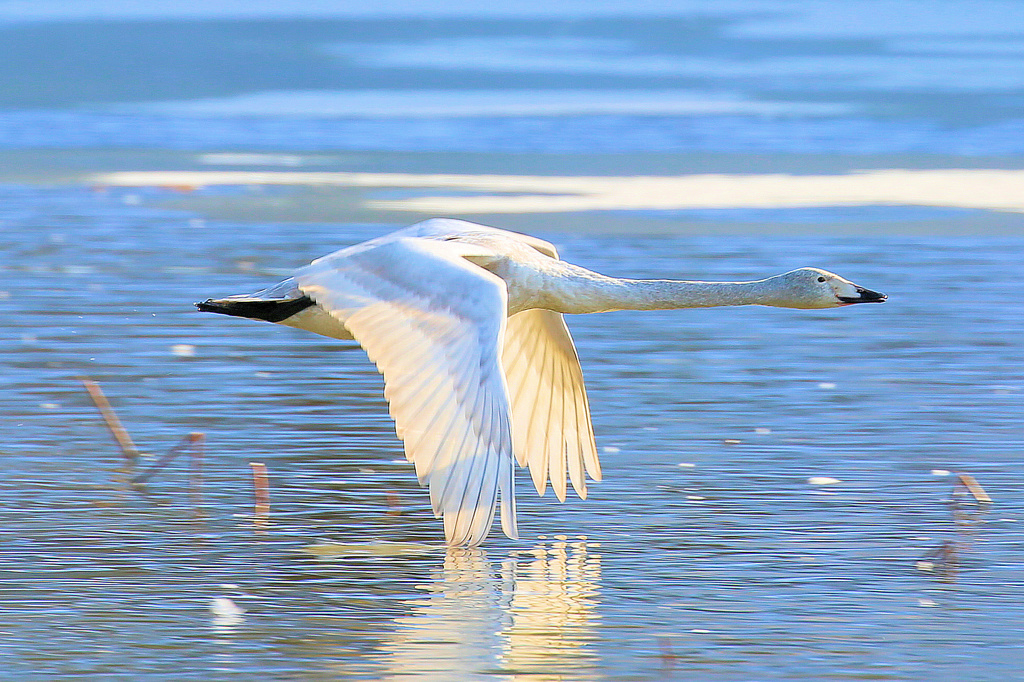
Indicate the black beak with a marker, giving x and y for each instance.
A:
(866, 296)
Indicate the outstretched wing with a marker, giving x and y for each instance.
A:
(550, 413)
(434, 324)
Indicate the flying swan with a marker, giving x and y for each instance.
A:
(465, 323)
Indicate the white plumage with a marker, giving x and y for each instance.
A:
(465, 323)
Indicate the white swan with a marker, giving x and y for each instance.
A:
(465, 323)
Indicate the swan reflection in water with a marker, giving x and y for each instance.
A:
(530, 618)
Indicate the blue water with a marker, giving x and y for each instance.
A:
(579, 134)
(806, 77)
(709, 552)
(731, 567)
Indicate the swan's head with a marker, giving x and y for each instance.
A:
(817, 288)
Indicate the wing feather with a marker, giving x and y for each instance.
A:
(562, 399)
(552, 430)
(440, 357)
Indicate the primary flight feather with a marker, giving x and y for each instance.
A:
(466, 324)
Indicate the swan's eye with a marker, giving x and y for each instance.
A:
(821, 279)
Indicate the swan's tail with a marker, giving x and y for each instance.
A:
(254, 308)
(274, 304)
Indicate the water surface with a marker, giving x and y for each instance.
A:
(780, 498)
(705, 552)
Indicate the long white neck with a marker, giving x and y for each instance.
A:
(582, 291)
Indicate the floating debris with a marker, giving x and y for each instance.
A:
(823, 480)
(762, 431)
(226, 613)
(611, 449)
(941, 472)
(826, 385)
(183, 350)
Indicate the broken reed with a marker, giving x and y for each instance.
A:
(261, 489)
(971, 485)
(194, 442)
(944, 560)
(128, 449)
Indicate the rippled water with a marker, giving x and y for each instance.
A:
(706, 552)
(780, 497)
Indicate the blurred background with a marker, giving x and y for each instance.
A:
(788, 494)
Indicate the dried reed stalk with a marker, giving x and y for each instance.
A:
(195, 479)
(188, 441)
(974, 488)
(128, 449)
(261, 488)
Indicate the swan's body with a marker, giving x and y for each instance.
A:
(465, 323)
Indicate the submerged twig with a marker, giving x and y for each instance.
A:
(195, 479)
(966, 514)
(194, 442)
(394, 504)
(668, 656)
(128, 449)
(261, 488)
(187, 441)
(945, 560)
